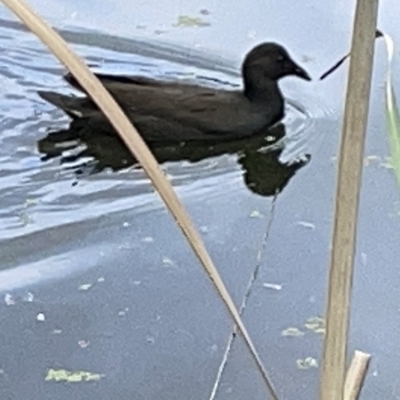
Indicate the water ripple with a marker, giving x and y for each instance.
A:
(37, 195)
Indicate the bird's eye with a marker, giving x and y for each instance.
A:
(280, 59)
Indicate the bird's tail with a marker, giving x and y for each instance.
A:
(75, 107)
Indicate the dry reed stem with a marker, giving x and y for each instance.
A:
(140, 151)
(356, 375)
(347, 199)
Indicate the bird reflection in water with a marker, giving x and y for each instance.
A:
(258, 156)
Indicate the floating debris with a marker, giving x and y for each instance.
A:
(316, 324)
(40, 317)
(167, 261)
(204, 229)
(23, 216)
(272, 286)
(292, 331)
(388, 163)
(62, 375)
(25, 219)
(28, 297)
(308, 225)
(307, 363)
(184, 21)
(31, 202)
(83, 344)
(256, 214)
(85, 286)
(369, 159)
(123, 312)
(9, 300)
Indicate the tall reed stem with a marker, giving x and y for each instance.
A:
(347, 200)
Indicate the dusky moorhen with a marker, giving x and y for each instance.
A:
(165, 111)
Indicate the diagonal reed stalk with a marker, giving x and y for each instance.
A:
(140, 151)
(347, 200)
(356, 375)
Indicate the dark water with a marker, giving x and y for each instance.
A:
(94, 273)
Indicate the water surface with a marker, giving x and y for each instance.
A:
(94, 273)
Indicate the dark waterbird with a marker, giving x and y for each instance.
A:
(165, 111)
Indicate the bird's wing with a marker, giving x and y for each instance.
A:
(126, 81)
(200, 106)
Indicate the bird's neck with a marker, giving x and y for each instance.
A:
(267, 91)
(268, 97)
